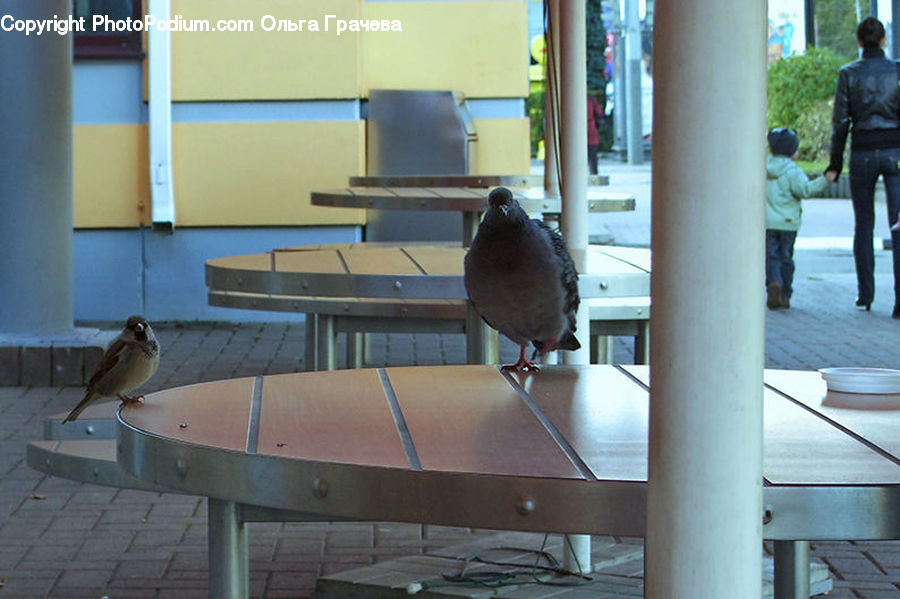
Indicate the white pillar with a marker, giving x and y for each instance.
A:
(704, 523)
(574, 219)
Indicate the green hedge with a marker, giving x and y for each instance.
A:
(801, 96)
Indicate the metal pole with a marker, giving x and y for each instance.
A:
(551, 91)
(620, 109)
(704, 521)
(229, 562)
(634, 122)
(574, 219)
(895, 28)
(791, 570)
(36, 175)
(809, 10)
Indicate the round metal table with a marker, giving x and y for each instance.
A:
(475, 446)
(390, 287)
(446, 194)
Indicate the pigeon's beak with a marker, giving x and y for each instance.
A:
(139, 327)
(504, 208)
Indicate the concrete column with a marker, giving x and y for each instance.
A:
(574, 218)
(704, 523)
(36, 175)
(634, 122)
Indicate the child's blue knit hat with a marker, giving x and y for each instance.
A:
(783, 141)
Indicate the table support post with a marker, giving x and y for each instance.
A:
(229, 564)
(470, 226)
(311, 338)
(791, 569)
(355, 350)
(602, 349)
(482, 343)
(577, 554)
(326, 351)
(642, 344)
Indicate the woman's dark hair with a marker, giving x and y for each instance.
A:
(870, 32)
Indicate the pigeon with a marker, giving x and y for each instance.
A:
(129, 362)
(521, 280)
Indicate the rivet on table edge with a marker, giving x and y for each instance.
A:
(320, 488)
(89, 430)
(525, 505)
(397, 284)
(604, 285)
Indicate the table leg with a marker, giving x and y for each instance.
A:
(577, 553)
(326, 343)
(482, 344)
(791, 569)
(602, 349)
(642, 343)
(311, 337)
(355, 348)
(470, 226)
(229, 563)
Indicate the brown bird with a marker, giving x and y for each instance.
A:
(129, 362)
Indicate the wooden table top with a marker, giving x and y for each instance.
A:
(458, 199)
(407, 271)
(471, 445)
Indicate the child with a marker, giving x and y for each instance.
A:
(786, 185)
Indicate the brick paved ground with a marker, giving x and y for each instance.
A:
(64, 540)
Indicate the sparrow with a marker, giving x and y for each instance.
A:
(521, 279)
(129, 362)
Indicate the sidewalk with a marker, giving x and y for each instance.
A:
(63, 540)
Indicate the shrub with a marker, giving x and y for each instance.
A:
(800, 96)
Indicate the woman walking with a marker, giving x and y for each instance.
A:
(867, 105)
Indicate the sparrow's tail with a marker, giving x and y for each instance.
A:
(73, 415)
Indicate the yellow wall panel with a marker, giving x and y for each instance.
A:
(502, 147)
(111, 186)
(476, 47)
(265, 65)
(261, 173)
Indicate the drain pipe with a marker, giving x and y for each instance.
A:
(159, 58)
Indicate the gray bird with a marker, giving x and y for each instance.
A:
(129, 362)
(521, 279)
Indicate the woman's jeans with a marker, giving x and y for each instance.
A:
(865, 168)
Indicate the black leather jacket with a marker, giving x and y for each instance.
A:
(868, 98)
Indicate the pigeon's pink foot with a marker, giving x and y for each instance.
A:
(130, 401)
(523, 365)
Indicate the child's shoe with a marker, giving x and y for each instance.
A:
(773, 295)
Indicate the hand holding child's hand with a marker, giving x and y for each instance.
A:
(831, 176)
